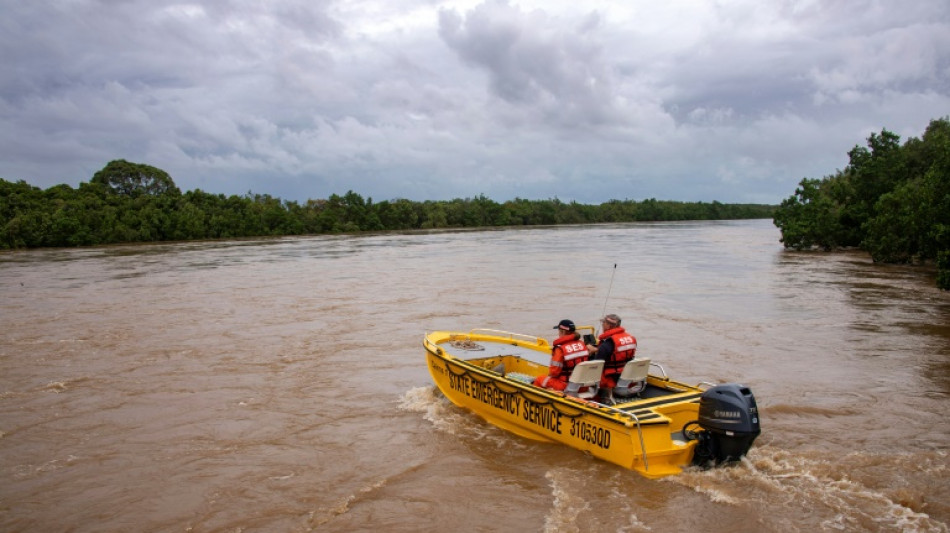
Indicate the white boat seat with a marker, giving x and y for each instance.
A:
(585, 380)
(633, 378)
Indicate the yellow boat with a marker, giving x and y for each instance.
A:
(659, 429)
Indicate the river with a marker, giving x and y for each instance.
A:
(280, 384)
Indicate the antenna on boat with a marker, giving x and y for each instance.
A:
(608, 289)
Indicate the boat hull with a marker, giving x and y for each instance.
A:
(644, 435)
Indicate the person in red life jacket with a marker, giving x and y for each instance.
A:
(568, 351)
(615, 348)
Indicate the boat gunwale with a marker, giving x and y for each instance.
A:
(624, 413)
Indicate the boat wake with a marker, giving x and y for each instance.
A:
(832, 494)
(342, 506)
(567, 505)
(581, 501)
(455, 421)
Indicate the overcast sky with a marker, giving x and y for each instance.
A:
(702, 100)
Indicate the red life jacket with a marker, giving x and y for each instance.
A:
(625, 347)
(573, 350)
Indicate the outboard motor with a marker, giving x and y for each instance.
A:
(730, 418)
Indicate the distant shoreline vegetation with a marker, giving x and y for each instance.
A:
(131, 202)
(892, 201)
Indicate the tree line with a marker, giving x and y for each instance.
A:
(892, 200)
(132, 202)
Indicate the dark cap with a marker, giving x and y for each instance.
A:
(613, 319)
(566, 324)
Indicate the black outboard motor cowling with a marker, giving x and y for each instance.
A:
(731, 419)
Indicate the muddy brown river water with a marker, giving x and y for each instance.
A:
(281, 385)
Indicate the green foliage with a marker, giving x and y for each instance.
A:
(892, 200)
(129, 202)
(943, 270)
(808, 218)
(134, 179)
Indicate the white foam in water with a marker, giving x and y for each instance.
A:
(436, 408)
(418, 399)
(453, 420)
(567, 504)
(770, 474)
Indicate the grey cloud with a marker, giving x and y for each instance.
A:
(533, 59)
(205, 77)
(821, 53)
(734, 101)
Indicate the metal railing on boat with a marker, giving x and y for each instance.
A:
(509, 334)
(636, 419)
(666, 376)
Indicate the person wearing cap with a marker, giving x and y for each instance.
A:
(615, 348)
(568, 351)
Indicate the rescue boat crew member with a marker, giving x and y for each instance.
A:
(616, 347)
(569, 350)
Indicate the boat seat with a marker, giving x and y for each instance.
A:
(585, 380)
(633, 378)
